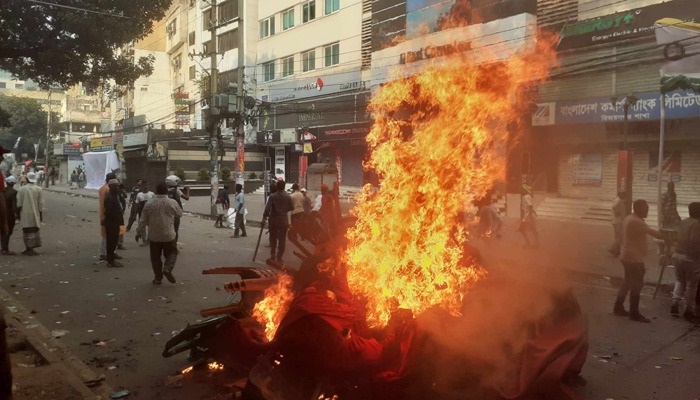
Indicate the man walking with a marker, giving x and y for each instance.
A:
(298, 206)
(11, 216)
(686, 260)
(113, 221)
(669, 208)
(618, 215)
(239, 206)
(634, 250)
(102, 195)
(132, 203)
(176, 194)
(528, 217)
(30, 203)
(222, 205)
(278, 205)
(159, 216)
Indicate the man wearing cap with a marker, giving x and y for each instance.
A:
(528, 217)
(113, 221)
(239, 206)
(104, 190)
(307, 201)
(618, 215)
(11, 207)
(279, 204)
(30, 203)
(176, 194)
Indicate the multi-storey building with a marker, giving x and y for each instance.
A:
(609, 57)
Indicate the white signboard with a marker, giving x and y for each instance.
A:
(136, 139)
(280, 163)
(588, 169)
(295, 89)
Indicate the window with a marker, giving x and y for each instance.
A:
(171, 29)
(228, 41)
(332, 54)
(269, 71)
(225, 79)
(308, 61)
(208, 19)
(228, 10)
(3, 85)
(287, 19)
(19, 85)
(267, 27)
(206, 47)
(193, 72)
(190, 39)
(288, 66)
(332, 6)
(308, 11)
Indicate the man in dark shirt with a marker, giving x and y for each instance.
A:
(278, 205)
(11, 206)
(113, 220)
(132, 204)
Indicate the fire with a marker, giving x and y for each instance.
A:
(270, 310)
(215, 366)
(186, 370)
(439, 140)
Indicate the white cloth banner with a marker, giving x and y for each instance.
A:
(682, 47)
(98, 165)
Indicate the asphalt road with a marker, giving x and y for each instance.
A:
(70, 291)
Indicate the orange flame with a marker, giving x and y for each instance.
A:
(270, 310)
(438, 141)
(215, 366)
(186, 370)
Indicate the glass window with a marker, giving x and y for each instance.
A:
(269, 71)
(191, 39)
(288, 66)
(208, 19)
(287, 19)
(332, 6)
(331, 53)
(193, 72)
(308, 61)
(228, 10)
(228, 41)
(309, 11)
(267, 27)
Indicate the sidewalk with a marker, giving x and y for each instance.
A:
(578, 246)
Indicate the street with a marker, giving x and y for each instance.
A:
(69, 291)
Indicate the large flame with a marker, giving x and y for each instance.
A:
(439, 140)
(271, 309)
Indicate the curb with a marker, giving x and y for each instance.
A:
(83, 379)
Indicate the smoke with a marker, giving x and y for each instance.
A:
(481, 351)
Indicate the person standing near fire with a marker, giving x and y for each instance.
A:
(669, 208)
(528, 217)
(113, 220)
(618, 215)
(102, 195)
(297, 203)
(634, 251)
(11, 207)
(30, 206)
(174, 192)
(279, 204)
(239, 206)
(686, 260)
(134, 211)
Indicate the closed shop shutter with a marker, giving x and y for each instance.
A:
(688, 189)
(352, 165)
(607, 189)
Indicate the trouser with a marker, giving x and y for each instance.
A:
(103, 246)
(633, 283)
(278, 240)
(112, 239)
(239, 224)
(615, 248)
(7, 233)
(132, 216)
(529, 226)
(686, 283)
(167, 250)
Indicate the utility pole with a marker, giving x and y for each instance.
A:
(240, 98)
(213, 112)
(48, 141)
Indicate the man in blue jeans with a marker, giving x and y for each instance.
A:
(279, 204)
(159, 216)
(634, 251)
(686, 260)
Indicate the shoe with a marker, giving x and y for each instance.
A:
(691, 317)
(116, 257)
(621, 312)
(156, 282)
(639, 318)
(235, 237)
(8, 253)
(103, 258)
(169, 276)
(115, 264)
(244, 235)
(121, 247)
(30, 253)
(674, 309)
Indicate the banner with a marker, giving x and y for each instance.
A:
(101, 144)
(588, 169)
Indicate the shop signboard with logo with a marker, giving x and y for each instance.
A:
(101, 144)
(625, 25)
(335, 110)
(182, 109)
(297, 89)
